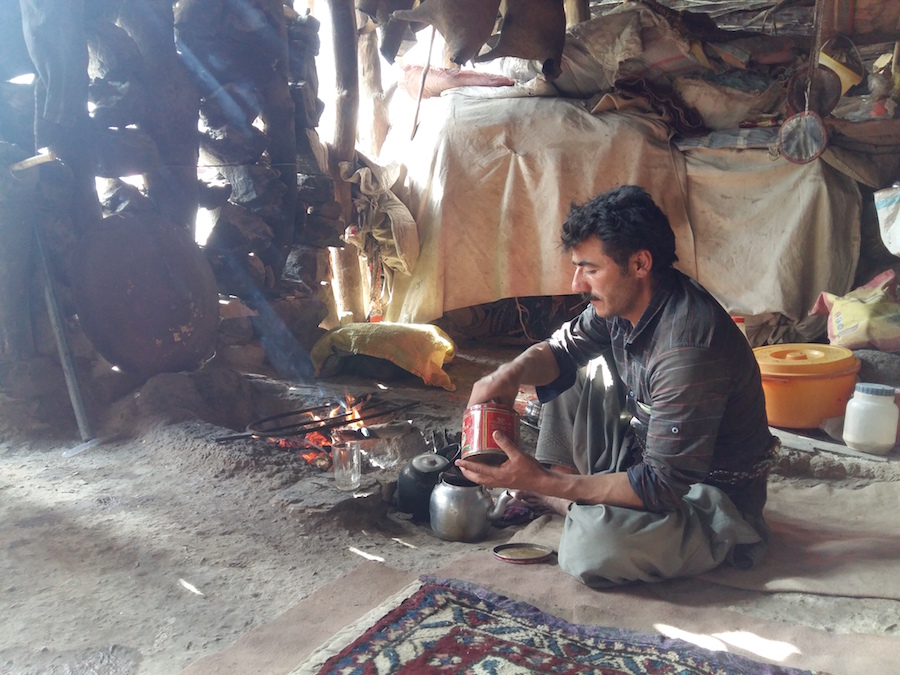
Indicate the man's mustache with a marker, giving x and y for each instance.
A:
(589, 297)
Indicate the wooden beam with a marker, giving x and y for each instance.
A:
(843, 12)
(343, 148)
(577, 11)
(372, 87)
(895, 70)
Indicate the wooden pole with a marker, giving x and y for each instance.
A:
(577, 11)
(415, 125)
(895, 70)
(343, 149)
(372, 88)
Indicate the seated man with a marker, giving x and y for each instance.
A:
(654, 442)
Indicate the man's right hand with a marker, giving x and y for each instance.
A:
(498, 387)
(535, 366)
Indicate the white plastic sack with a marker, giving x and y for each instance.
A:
(887, 205)
(382, 215)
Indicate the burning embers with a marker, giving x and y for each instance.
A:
(312, 430)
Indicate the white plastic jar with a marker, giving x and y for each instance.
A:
(870, 423)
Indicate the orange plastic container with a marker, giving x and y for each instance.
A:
(806, 384)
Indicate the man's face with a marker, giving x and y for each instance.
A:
(610, 289)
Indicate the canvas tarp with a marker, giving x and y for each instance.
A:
(490, 181)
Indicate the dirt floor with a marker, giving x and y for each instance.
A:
(160, 545)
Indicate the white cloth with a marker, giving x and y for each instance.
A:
(490, 182)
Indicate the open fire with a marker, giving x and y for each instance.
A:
(311, 431)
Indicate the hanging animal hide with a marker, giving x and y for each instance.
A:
(465, 25)
(532, 29)
(392, 31)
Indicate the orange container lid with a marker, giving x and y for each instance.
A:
(805, 359)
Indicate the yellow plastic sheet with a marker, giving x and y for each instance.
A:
(422, 349)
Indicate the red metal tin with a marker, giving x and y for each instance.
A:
(479, 423)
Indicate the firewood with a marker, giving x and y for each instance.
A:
(311, 156)
(308, 108)
(330, 209)
(301, 316)
(315, 188)
(113, 54)
(171, 116)
(321, 231)
(17, 216)
(14, 58)
(117, 104)
(277, 112)
(212, 196)
(237, 229)
(232, 103)
(308, 264)
(124, 152)
(303, 35)
(17, 114)
(54, 34)
(241, 275)
(199, 17)
(253, 185)
(122, 197)
(229, 144)
(102, 9)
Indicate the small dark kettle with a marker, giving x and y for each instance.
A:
(417, 480)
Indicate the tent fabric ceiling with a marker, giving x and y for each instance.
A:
(867, 21)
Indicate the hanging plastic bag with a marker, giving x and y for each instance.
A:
(867, 317)
(887, 205)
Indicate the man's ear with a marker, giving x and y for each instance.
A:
(643, 263)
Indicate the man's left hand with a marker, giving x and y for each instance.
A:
(518, 472)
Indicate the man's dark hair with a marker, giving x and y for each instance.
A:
(626, 220)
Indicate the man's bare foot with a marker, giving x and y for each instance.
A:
(534, 500)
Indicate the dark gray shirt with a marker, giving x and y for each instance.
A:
(693, 387)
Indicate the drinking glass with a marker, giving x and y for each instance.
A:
(345, 458)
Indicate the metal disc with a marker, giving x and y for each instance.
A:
(522, 553)
(803, 137)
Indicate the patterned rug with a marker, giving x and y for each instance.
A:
(448, 626)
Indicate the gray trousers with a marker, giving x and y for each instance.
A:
(586, 428)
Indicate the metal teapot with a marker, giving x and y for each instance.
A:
(462, 510)
(417, 480)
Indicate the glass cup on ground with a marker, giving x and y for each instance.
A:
(345, 457)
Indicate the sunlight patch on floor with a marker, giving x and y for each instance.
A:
(773, 650)
(367, 556)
